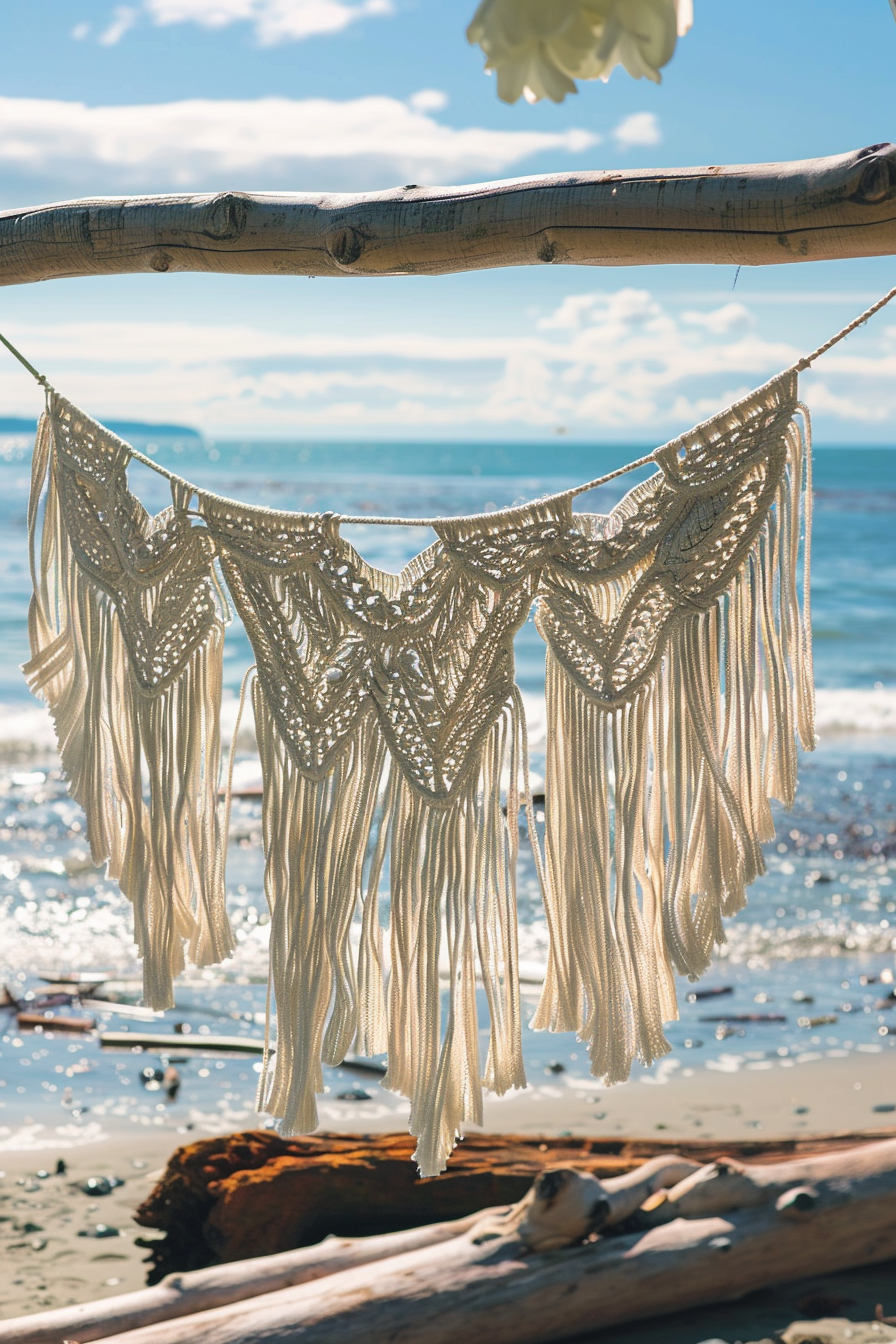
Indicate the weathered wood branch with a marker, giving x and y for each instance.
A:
(817, 1216)
(587, 1204)
(180, 1295)
(753, 215)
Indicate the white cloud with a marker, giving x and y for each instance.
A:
(850, 407)
(123, 21)
(617, 363)
(428, 100)
(80, 31)
(571, 313)
(626, 306)
(207, 13)
(273, 21)
(691, 410)
(881, 365)
(639, 130)
(197, 141)
(625, 363)
(730, 317)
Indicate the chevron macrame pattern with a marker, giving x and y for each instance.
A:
(393, 749)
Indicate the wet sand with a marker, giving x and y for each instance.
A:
(47, 1260)
(49, 1264)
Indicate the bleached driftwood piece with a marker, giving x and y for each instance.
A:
(728, 1185)
(203, 1289)
(751, 215)
(574, 1210)
(489, 1284)
(564, 1206)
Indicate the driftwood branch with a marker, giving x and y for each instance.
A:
(202, 1289)
(524, 1276)
(753, 215)
(579, 1207)
(499, 1288)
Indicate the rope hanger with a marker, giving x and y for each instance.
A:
(799, 367)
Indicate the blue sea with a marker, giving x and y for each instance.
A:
(819, 928)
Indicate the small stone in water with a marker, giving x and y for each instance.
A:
(358, 1094)
(885, 1106)
(100, 1230)
(100, 1185)
(555, 1067)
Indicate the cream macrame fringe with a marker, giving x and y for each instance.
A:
(656, 805)
(393, 745)
(451, 870)
(144, 766)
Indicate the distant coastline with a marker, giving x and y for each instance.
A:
(144, 429)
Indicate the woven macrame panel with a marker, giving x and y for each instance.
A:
(127, 643)
(678, 675)
(393, 748)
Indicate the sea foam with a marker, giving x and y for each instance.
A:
(27, 732)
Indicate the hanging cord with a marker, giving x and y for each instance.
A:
(859, 321)
(799, 367)
(38, 377)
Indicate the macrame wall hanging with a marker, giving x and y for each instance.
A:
(679, 681)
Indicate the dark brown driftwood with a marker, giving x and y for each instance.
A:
(255, 1193)
(751, 215)
(525, 1277)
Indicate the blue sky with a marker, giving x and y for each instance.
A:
(346, 95)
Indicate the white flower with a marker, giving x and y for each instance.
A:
(540, 47)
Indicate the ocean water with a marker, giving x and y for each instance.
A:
(812, 956)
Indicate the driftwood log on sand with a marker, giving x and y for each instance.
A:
(255, 1193)
(587, 1203)
(538, 1271)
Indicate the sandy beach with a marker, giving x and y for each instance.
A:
(52, 1235)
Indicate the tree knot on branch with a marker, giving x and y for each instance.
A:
(345, 245)
(877, 182)
(227, 216)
